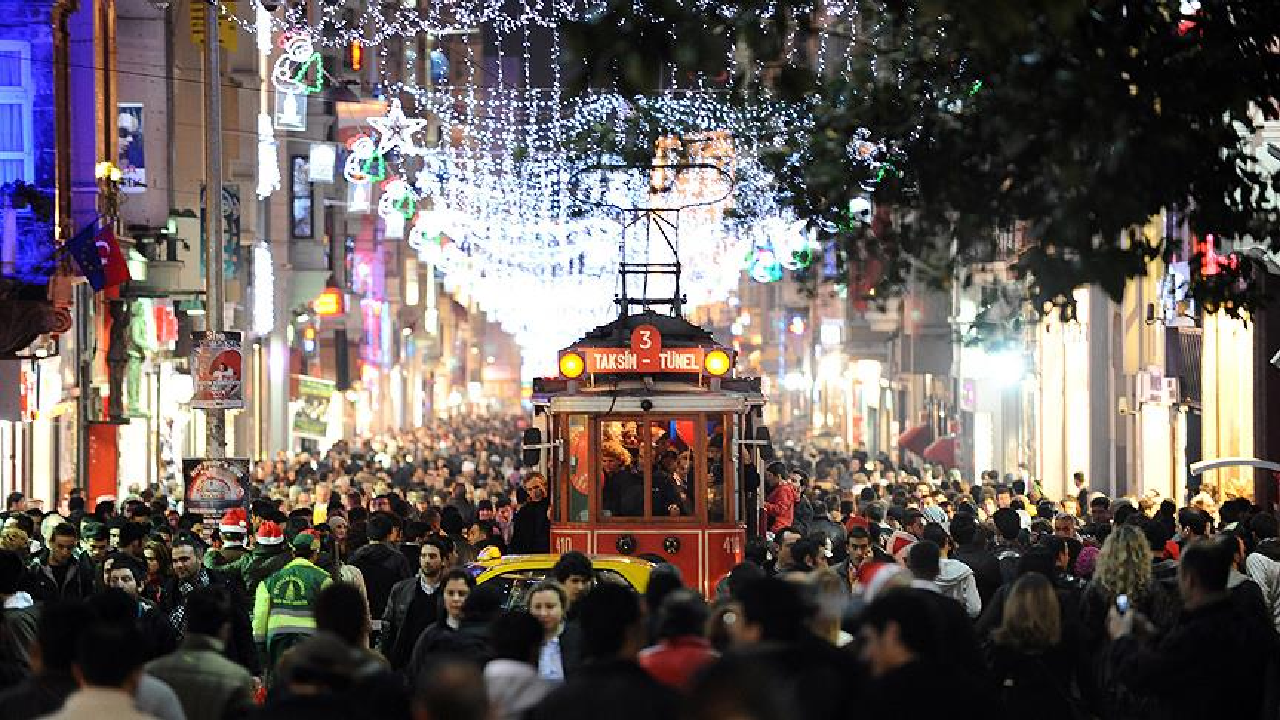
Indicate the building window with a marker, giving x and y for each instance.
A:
(16, 91)
(300, 196)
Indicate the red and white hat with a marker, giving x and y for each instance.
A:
(269, 533)
(876, 577)
(899, 543)
(234, 520)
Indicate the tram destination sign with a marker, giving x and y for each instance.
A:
(601, 361)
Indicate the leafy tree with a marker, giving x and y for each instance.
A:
(1072, 121)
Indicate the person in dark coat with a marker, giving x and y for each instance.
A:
(57, 631)
(380, 562)
(189, 574)
(971, 551)
(531, 526)
(1030, 660)
(905, 652)
(64, 574)
(18, 623)
(463, 631)
(414, 604)
(610, 682)
(1214, 662)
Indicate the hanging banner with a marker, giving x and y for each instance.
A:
(215, 485)
(228, 30)
(216, 368)
(132, 155)
(313, 395)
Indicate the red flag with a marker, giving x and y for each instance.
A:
(114, 268)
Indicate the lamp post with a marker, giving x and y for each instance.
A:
(215, 420)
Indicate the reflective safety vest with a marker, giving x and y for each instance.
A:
(285, 602)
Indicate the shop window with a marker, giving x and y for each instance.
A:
(301, 197)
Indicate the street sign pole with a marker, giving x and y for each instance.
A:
(215, 420)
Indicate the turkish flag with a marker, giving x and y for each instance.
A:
(114, 268)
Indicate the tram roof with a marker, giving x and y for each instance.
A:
(676, 332)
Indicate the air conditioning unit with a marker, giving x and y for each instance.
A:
(1149, 387)
(1171, 396)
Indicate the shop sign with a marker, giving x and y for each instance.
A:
(216, 364)
(215, 485)
(624, 360)
(311, 417)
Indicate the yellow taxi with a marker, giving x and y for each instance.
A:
(515, 575)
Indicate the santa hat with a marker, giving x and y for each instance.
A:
(899, 541)
(269, 533)
(235, 520)
(876, 577)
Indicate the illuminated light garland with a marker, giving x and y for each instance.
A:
(264, 318)
(268, 158)
(527, 230)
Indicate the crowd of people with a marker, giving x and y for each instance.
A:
(344, 592)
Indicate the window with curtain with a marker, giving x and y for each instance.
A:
(16, 147)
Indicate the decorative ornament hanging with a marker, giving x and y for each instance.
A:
(364, 163)
(396, 130)
(397, 197)
(426, 236)
(299, 69)
(762, 263)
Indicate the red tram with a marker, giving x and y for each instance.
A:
(649, 443)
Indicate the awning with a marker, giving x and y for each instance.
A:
(916, 438)
(942, 452)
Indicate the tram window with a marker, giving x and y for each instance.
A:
(622, 477)
(717, 500)
(578, 473)
(673, 475)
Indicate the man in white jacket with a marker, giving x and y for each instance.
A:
(932, 569)
(1266, 573)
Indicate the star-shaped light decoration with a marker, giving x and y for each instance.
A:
(396, 131)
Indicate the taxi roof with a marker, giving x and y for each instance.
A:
(549, 559)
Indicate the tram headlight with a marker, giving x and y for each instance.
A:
(716, 363)
(572, 365)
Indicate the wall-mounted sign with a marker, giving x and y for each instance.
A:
(131, 158)
(216, 364)
(311, 417)
(215, 485)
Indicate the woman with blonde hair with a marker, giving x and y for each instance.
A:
(17, 540)
(1122, 576)
(1123, 568)
(1030, 661)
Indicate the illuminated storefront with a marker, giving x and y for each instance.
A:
(1227, 407)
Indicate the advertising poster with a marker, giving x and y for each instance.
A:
(132, 156)
(215, 485)
(216, 369)
(311, 417)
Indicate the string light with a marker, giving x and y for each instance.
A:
(514, 215)
(268, 158)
